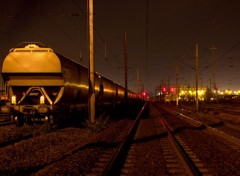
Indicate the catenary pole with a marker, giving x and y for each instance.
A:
(196, 77)
(91, 100)
(125, 67)
(177, 90)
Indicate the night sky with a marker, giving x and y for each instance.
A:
(158, 39)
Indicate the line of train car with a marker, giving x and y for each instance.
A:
(39, 83)
(4, 110)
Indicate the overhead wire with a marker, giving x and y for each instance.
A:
(55, 24)
(69, 36)
(99, 35)
(210, 18)
(207, 22)
(196, 36)
(77, 27)
(30, 27)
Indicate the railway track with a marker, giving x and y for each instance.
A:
(231, 139)
(171, 146)
(15, 140)
(228, 130)
(224, 110)
(5, 123)
(11, 134)
(45, 153)
(113, 159)
(210, 145)
(176, 160)
(190, 166)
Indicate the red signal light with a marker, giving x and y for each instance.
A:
(164, 89)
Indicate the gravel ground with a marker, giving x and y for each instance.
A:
(227, 117)
(221, 159)
(147, 153)
(216, 154)
(74, 151)
(57, 153)
(11, 131)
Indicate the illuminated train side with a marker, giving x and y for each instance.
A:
(40, 83)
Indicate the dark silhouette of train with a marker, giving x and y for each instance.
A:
(42, 84)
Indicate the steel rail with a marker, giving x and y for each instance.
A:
(193, 168)
(117, 161)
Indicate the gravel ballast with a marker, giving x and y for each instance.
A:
(58, 152)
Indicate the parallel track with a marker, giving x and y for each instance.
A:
(112, 164)
(188, 161)
(6, 123)
(114, 158)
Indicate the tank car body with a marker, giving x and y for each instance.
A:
(40, 82)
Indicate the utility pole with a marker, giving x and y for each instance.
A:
(197, 77)
(210, 85)
(177, 90)
(213, 49)
(105, 51)
(125, 67)
(147, 38)
(138, 82)
(160, 91)
(168, 85)
(91, 70)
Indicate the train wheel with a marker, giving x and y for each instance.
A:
(19, 120)
(53, 118)
(28, 119)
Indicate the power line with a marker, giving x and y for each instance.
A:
(211, 16)
(99, 34)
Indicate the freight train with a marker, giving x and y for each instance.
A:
(42, 85)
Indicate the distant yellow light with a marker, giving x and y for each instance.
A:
(190, 92)
(42, 99)
(228, 92)
(200, 92)
(13, 99)
(182, 92)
